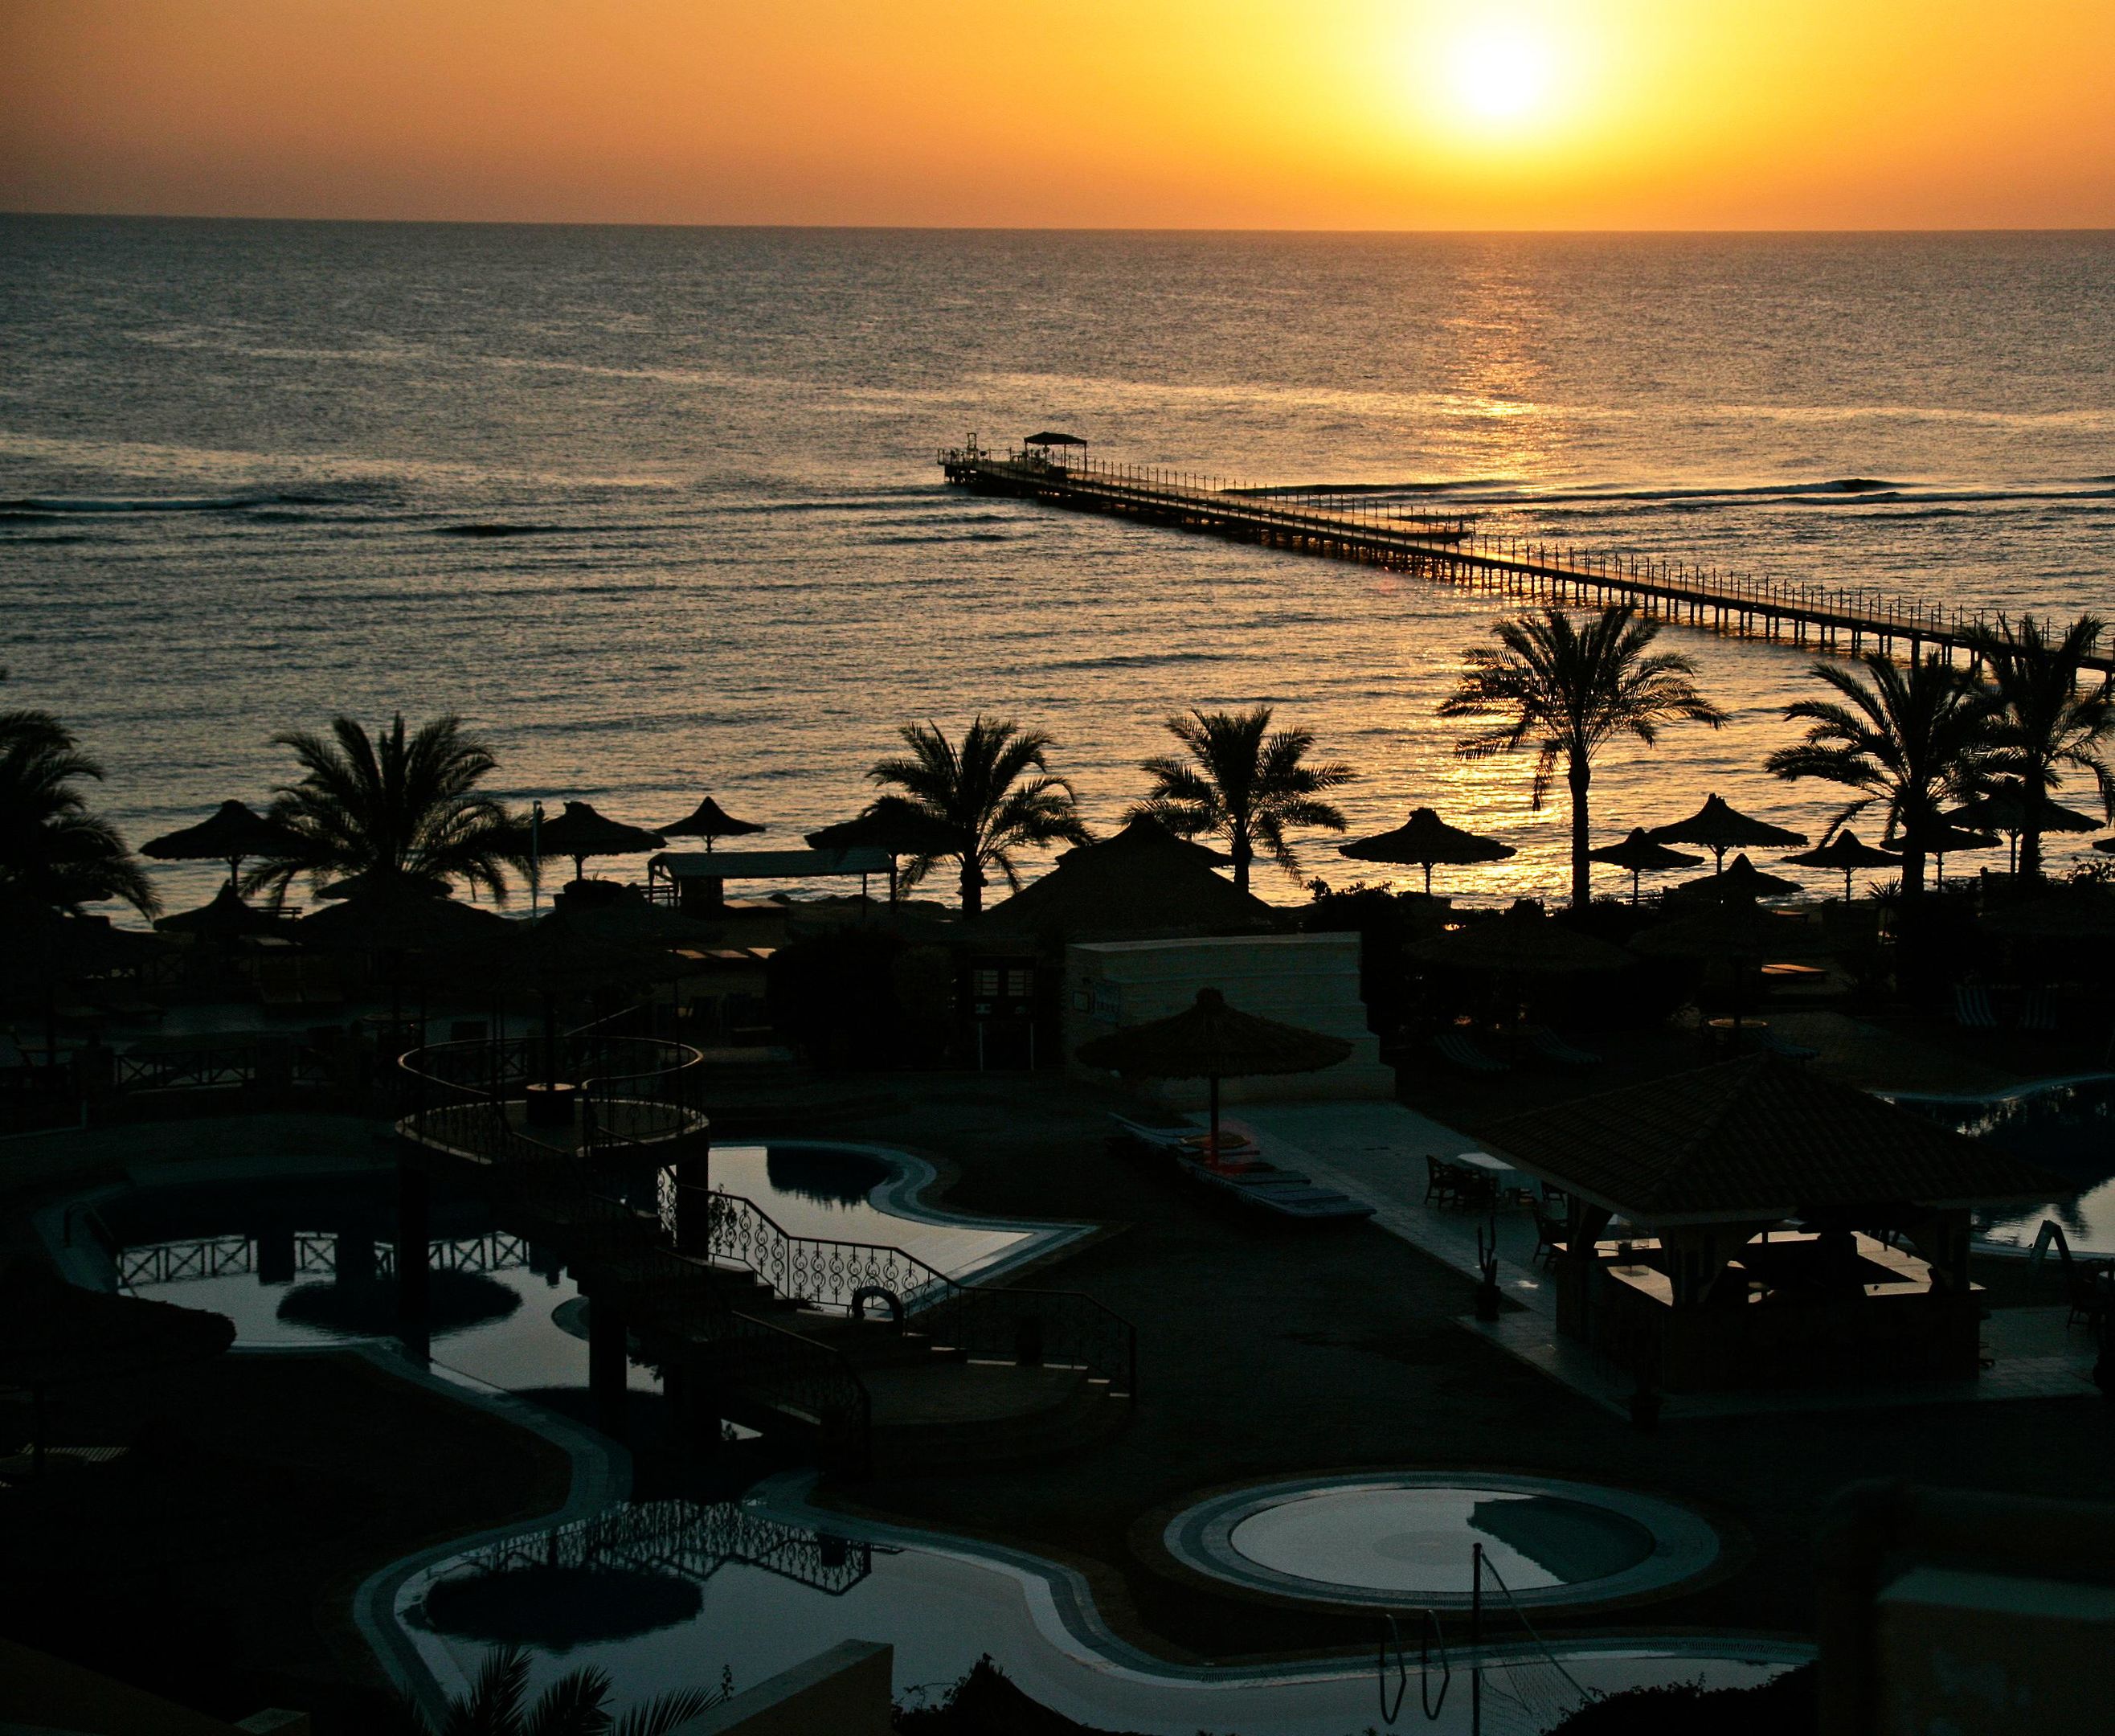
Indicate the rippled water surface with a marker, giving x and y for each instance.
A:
(657, 507)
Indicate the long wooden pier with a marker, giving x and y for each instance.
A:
(1348, 524)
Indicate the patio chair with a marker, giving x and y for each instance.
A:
(1440, 1180)
(1972, 1009)
(1552, 1047)
(1548, 1231)
(1475, 1190)
(1460, 1051)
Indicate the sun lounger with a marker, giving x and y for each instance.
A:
(1462, 1052)
(1972, 1010)
(1552, 1047)
(2038, 1010)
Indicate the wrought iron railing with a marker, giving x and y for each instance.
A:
(633, 1093)
(1056, 1329)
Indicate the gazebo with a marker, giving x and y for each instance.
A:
(1776, 1228)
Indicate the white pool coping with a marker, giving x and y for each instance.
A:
(1686, 1546)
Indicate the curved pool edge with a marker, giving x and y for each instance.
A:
(903, 1196)
(2026, 1088)
(1687, 1549)
(601, 1478)
(1061, 1603)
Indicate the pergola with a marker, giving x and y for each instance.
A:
(1779, 1228)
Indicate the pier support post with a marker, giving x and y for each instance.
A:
(609, 1363)
(415, 1218)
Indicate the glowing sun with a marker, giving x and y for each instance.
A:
(1498, 72)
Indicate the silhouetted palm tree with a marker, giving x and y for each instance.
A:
(404, 809)
(1917, 739)
(1569, 689)
(1242, 783)
(54, 850)
(983, 793)
(575, 1704)
(2053, 716)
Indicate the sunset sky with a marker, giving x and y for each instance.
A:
(1319, 114)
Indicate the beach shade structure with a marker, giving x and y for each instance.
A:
(355, 886)
(55, 1334)
(1519, 942)
(1847, 851)
(2007, 809)
(1141, 883)
(232, 833)
(894, 826)
(1210, 1040)
(579, 832)
(1952, 840)
(401, 918)
(1049, 440)
(1718, 826)
(225, 917)
(1640, 855)
(1743, 880)
(1426, 841)
(2105, 846)
(708, 820)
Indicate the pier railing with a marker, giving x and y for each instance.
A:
(1349, 524)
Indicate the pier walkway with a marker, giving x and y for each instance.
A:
(1346, 525)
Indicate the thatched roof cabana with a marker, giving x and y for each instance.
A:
(1142, 883)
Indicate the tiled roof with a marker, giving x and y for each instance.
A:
(1757, 1137)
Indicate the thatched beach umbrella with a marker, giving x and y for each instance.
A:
(581, 832)
(1951, 840)
(1743, 880)
(710, 820)
(894, 826)
(1718, 826)
(1425, 840)
(1641, 856)
(226, 915)
(232, 833)
(395, 919)
(2007, 809)
(1530, 945)
(1210, 1040)
(1849, 852)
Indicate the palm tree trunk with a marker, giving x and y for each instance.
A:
(973, 888)
(1579, 776)
(2036, 786)
(1243, 852)
(1912, 874)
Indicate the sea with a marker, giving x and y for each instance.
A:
(657, 510)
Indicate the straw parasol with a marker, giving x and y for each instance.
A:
(894, 826)
(387, 918)
(1641, 856)
(1425, 840)
(1718, 826)
(2007, 809)
(710, 820)
(232, 833)
(1211, 1040)
(1531, 944)
(1849, 852)
(1744, 880)
(1950, 840)
(2106, 846)
(225, 917)
(579, 832)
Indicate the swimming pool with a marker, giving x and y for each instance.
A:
(1410, 1540)
(298, 1259)
(2067, 1125)
(772, 1580)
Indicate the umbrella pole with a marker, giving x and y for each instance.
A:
(1215, 1119)
(1636, 876)
(1427, 879)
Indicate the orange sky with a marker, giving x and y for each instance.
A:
(1193, 113)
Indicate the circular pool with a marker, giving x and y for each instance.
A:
(1410, 1540)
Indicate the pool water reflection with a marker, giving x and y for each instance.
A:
(2066, 1125)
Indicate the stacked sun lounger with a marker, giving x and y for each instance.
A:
(1239, 1170)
